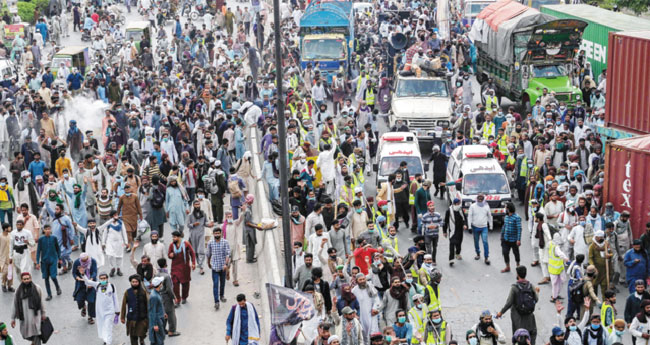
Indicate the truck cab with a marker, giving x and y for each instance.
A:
(472, 170)
(423, 104)
(395, 148)
(327, 37)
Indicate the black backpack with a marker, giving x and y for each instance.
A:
(525, 303)
(157, 199)
(576, 292)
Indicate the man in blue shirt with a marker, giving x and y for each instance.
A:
(37, 166)
(47, 258)
(74, 80)
(42, 28)
(243, 329)
(510, 236)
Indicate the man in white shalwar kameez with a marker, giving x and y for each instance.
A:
(114, 241)
(369, 306)
(106, 307)
(21, 241)
(93, 241)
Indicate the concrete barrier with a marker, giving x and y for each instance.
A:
(268, 259)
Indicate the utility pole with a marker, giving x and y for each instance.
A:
(283, 156)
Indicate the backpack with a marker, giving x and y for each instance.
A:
(233, 188)
(157, 199)
(576, 292)
(525, 304)
(552, 229)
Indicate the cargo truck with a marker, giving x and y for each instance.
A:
(525, 51)
(600, 23)
(327, 37)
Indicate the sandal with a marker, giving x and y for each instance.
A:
(235, 283)
(91, 321)
(83, 312)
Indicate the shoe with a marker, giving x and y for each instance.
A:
(4, 288)
(112, 274)
(59, 292)
(235, 283)
(223, 299)
(83, 312)
(183, 301)
(552, 300)
(487, 261)
(506, 270)
(119, 273)
(174, 334)
(458, 257)
(477, 257)
(201, 272)
(544, 281)
(48, 298)
(177, 305)
(535, 263)
(91, 321)
(451, 263)
(560, 297)
(10, 289)
(216, 306)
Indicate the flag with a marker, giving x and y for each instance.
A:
(289, 308)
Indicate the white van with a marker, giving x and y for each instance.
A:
(8, 70)
(472, 170)
(395, 148)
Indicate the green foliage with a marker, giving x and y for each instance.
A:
(26, 11)
(638, 6)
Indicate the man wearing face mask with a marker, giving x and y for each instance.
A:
(417, 317)
(594, 333)
(479, 218)
(369, 305)
(196, 223)
(431, 225)
(437, 331)
(105, 305)
(154, 250)
(624, 234)
(218, 261)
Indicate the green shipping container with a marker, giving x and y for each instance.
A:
(601, 22)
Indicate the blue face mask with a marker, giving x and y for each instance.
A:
(388, 338)
(582, 223)
(573, 328)
(401, 319)
(437, 320)
(127, 194)
(595, 327)
(620, 333)
(409, 281)
(359, 210)
(103, 282)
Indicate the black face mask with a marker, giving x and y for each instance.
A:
(154, 241)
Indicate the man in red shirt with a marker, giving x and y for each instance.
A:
(362, 252)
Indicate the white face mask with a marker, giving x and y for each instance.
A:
(456, 207)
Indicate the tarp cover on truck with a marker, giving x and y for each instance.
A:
(495, 25)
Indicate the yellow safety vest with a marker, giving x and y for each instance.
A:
(489, 101)
(524, 167)
(415, 275)
(387, 253)
(420, 324)
(412, 196)
(555, 263)
(292, 108)
(607, 324)
(488, 129)
(503, 144)
(359, 82)
(370, 97)
(433, 340)
(305, 113)
(294, 82)
(511, 159)
(434, 301)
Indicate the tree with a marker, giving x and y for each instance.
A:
(638, 6)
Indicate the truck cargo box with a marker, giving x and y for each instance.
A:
(627, 179)
(627, 101)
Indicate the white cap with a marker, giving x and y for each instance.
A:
(157, 281)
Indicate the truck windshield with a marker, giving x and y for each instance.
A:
(549, 71)
(485, 183)
(136, 35)
(333, 49)
(422, 88)
(390, 164)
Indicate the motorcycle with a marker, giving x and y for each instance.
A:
(85, 36)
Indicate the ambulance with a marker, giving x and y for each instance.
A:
(395, 148)
(472, 170)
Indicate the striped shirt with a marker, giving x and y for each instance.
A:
(429, 219)
(511, 231)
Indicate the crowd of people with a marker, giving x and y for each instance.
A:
(171, 156)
